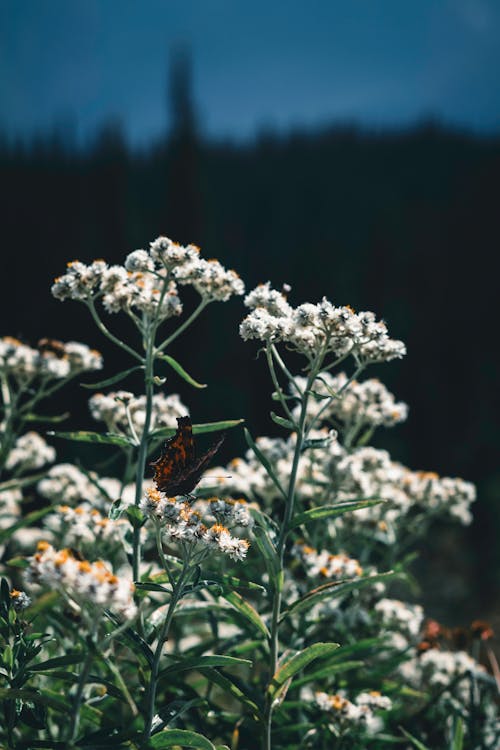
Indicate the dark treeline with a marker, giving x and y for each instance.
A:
(403, 223)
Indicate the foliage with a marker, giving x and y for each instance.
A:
(259, 611)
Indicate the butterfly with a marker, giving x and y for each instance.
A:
(177, 470)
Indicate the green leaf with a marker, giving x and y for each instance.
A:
(199, 429)
(153, 587)
(181, 371)
(113, 379)
(416, 743)
(268, 551)
(56, 662)
(333, 589)
(85, 436)
(180, 737)
(55, 419)
(28, 520)
(282, 422)
(296, 663)
(246, 610)
(329, 511)
(17, 562)
(458, 735)
(30, 696)
(264, 461)
(230, 582)
(199, 662)
(135, 516)
(234, 690)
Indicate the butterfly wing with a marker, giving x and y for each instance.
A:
(193, 474)
(177, 456)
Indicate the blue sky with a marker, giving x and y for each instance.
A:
(255, 64)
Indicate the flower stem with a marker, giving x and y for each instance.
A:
(162, 637)
(77, 702)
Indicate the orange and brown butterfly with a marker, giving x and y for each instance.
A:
(177, 470)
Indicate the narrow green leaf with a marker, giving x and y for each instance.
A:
(282, 422)
(267, 550)
(199, 662)
(199, 429)
(264, 461)
(56, 662)
(230, 687)
(113, 379)
(181, 371)
(55, 702)
(54, 419)
(231, 582)
(333, 589)
(17, 562)
(180, 737)
(85, 436)
(28, 520)
(458, 735)
(296, 663)
(153, 587)
(329, 511)
(416, 743)
(246, 609)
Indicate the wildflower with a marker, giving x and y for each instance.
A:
(30, 452)
(90, 586)
(20, 600)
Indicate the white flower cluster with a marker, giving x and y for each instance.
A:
(19, 600)
(310, 328)
(52, 360)
(369, 472)
(88, 585)
(358, 716)
(181, 522)
(436, 669)
(30, 452)
(148, 282)
(66, 483)
(112, 409)
(400, 616)
(323, 563)
(85, 524)
(365, 404)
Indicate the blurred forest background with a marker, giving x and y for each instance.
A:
(402, 222)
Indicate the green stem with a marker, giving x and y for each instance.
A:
(108, 334)
(143, 448)
(276, 383)
(278, 583)
(183, 326)
(162, 637)
(77, 702)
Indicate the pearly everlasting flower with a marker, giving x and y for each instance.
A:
(19, 599)
(51, 360)
(89, 586)
(314, 328)
(182, 521)
(80, 282)
(263, 296)
(30, 452)
(85, 524)
(172, 255)
(139, 260)
(356, 404)
(353, 718)
(323, 563)
(400, 616)
(67, 484)
(210, 279)
(111, 408)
